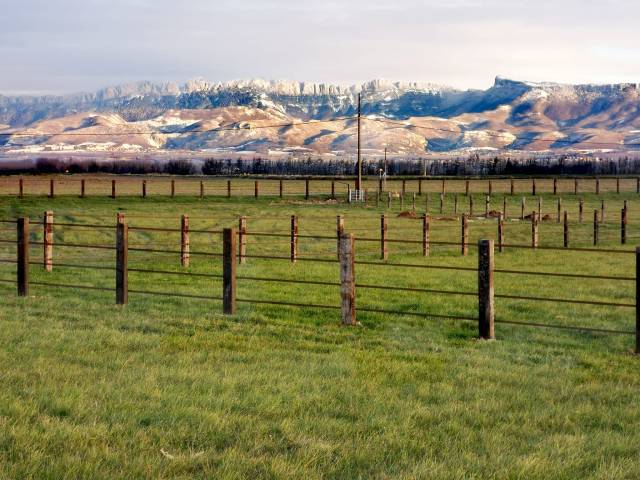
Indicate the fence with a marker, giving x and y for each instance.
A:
(308, 187)
(233, 254)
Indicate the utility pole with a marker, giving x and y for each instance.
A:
(359, 181)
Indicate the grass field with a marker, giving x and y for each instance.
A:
(170, 388)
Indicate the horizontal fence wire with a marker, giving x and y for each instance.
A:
(288, 304)
(281, 280)
(416, 290)
(565, 327)
(300, 258)
(565, 275)
(412, 265)
(79, 287)
(168, 272)
(564, 300)
(173, 294)
(76, 245)
(70, 265)
(175, 252)
(417, 314)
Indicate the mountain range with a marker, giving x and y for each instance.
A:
(299, 118)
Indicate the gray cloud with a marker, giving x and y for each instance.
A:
(72, 45)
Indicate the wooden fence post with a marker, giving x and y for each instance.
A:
(339, 232)
(490, 188)
(602, 212)
(122, 263)
(455, 204)
(500, 233)
(402, 201)
(23, 257)
(595, 227)
(52, 188)
(618, 185)
(559, 209)
(513, 191)
(637, 300)
(487, 206)
(229, 253)
(425, 235)
(419, 187)
(404, 187)
(471, 205)
(533, 187)
(426, 202)
(638, 185)
(388, 200)
(566, 229)
(623, 226)
(294, 239)
(444, 188)
(597, 186)
(256, 189)
(466, 188)
(486, 312)
(281, 189)
(441, 203)
(465, 236)
(242, 239)
(173, 188)
(534, 230)
(48, 241)
(20, 188)
(201, 189)
(523, 205)
(581, 211)
(184, 241)
(413, 203)
(306, 189)
(144, 189)
(555, 187)
(228, 188)
(504, 207)
(384, 251)
(82, 188)
(539, 209)
(113, 189)
(348, 280)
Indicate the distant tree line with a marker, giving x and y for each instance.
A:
(459, 166)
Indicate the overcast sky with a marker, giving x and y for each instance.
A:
(58, 46)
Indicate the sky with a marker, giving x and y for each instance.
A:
(65, 46)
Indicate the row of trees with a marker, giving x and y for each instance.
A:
(472, 165)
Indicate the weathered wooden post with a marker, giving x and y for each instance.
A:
(441, 203)
(21, 188)
(618, 186)
(113, 189)
(339, 232)
(539, 209)
(256, 189)
(490, 188)
(595, 227)
(404, 187)
(48, 241)
(555, 186)
(23, 257)
(229, 286)
(444, 188)
(419, 187)
(348, 280)
(602, 212)
(242, 239)
(294, 238)
(120, 217)
(566, 229)
(486, 312)
(384, 251)
(638, 185)
(513, 190)
(504, 207)
(228, 188)
(425, 235)
(597, 186)
(122, 263)
(388, 200)
(466, 188)
(281, 189)
(144, 189)
(533, 187)
(465, 236)
(487, 206)
(413, 203)
(534, 230)
(581, 211)
(201, 189)
(184, 241)
(559, 209)
(173, 188)
(500, 233)
(82, 188)
(523, 205)
(623, 226)
(306, 189)
(52, 188)
(637, 300)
